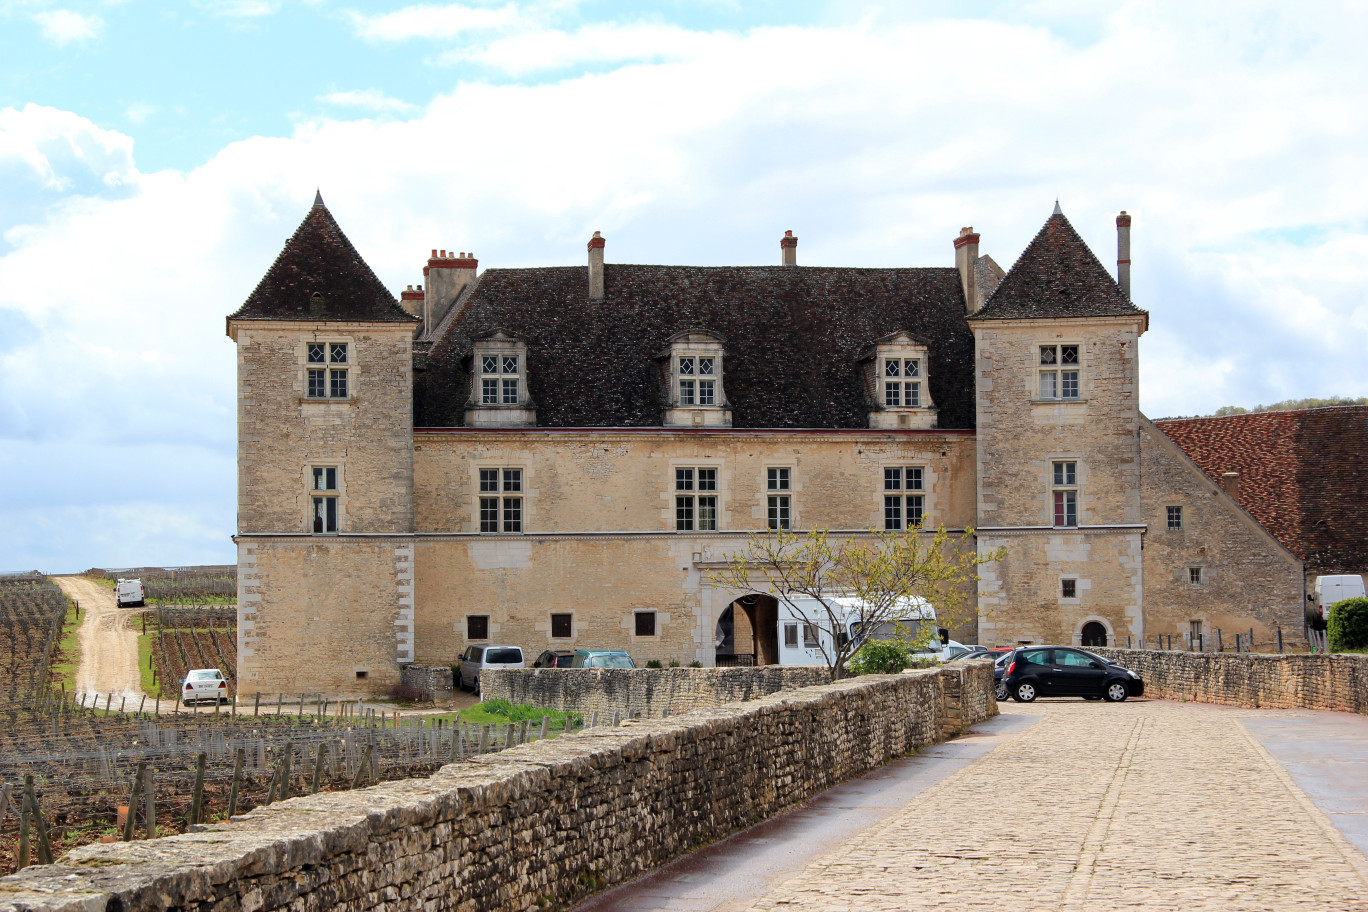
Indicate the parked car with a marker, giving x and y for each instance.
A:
(971, 652)
(477, 658)
(1058, 671)
(555, 658)
(129, 592)
(999, 672)
(602, 658)
(204, 684)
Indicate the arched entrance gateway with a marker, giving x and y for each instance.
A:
(1094, 634)
(748, 632)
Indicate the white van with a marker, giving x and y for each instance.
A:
(804, 628)
(129, 592)
(1332, 589)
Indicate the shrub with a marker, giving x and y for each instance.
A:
(654, 663)
(695, 664)
(1348, 627)
(880, 657)
(674, 663)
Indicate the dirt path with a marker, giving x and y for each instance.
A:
(109, 644)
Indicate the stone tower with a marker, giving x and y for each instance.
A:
(1059, 448)
(325, 472)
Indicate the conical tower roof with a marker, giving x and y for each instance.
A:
(319, 276)
(1057, 276)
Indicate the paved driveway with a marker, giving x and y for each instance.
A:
(1064, 805)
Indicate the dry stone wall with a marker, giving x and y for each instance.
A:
(538, 826)
(646, 693)
(1336, 682)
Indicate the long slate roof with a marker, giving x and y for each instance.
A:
(793, 337)
(1303, 475)
(1056, 276)
(319, 259)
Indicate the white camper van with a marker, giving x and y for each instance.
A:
(805, 636)
(129, 592)
(1332, 589)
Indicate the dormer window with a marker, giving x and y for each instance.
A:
(498, 383)
(693, 368)
(499, 379)
(895, 371)
(902, 382)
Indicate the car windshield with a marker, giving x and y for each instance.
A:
(204, 675)
(609, 661)
(502, 656)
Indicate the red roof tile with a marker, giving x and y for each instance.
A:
(1303, 475)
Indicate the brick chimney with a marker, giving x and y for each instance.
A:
(966, 258)
(788, 250)
(447, 276)
(413, 300)
(1231, 482)
(596, 267)
(1123, 222)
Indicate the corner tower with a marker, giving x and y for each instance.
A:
(325, 471)
(1056, 369)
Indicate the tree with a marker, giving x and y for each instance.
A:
(887, 572)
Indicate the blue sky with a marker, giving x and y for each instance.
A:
(153, 158)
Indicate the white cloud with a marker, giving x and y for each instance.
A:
(242, 9)
(371, 99)
(874, 142)
(139, 111)
(547, 49)
(64, 26)
(431, 22)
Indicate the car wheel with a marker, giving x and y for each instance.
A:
(1000, 691)
(1025, 692)
(1117, 692)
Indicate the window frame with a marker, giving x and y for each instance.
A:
(1064, 493)
(898, 500)
(1065, 377)
(779, 498)
(901, 388)
(638, 616)
(501, 377)
(329, 499)
(1196, 575)
(562, 620)
(1068, 588)
(471, 620)
(500, 509)
(328, 378)
(696, 508)
(1174, 518)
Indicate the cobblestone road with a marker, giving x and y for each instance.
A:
(1142, 805)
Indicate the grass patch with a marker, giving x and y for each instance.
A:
(108, 583)
(147, 678)
(69, 647)
(503, 711)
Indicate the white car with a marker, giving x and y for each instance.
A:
(476, 658)
(204, 684)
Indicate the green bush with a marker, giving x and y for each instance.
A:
(1348, 627)
(654, 663)
(880, 657)
(695, 664)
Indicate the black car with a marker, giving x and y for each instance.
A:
(554, 658)
(1058, 671)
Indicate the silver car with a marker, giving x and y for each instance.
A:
(204, 684)
(477, 658)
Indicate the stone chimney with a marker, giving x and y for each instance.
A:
(1231, 482)
(1123, 252)
(966, 258)
(413, 300)
(447, 276)
(788, 250)
(596, 267)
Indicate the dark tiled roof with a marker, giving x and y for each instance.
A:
(1056, 276)
(318, 258)
(793, 336)
(1303, 475)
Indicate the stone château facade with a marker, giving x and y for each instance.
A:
(554, 457)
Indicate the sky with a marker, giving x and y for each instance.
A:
(154, 157)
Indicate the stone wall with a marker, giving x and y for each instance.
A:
(1335, 682)
(538, 826)
(647, 693)
(433, 680)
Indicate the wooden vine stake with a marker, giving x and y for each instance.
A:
(133, 795)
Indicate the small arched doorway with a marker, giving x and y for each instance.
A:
(1094, 634)
(747, 632)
